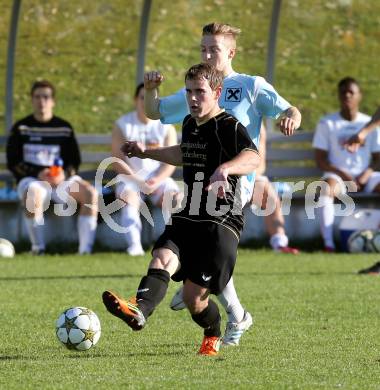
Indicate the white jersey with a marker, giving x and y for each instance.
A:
(330, 135)
(247, 98)
(151, 135)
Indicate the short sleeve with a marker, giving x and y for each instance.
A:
(173, 108)
(268, 102)
(237, 140)
(321, 136)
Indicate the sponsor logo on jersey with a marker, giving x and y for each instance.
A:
(232, 95)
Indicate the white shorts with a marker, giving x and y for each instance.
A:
(46, 190)
(168, 184)
(373, 181)
(246, 189)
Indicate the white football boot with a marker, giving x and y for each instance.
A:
(234, 330)
(177, 302)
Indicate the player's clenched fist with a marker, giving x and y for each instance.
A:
(153, 79)
(287, 125)
(133, 149)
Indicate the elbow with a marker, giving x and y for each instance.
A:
(152, 115)
(320, 165)
(152, 112)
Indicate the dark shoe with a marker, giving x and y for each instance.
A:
(373, 270)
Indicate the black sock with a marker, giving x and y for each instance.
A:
(152, 290)
(209, 319)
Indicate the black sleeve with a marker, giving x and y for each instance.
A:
(71, 155)
(184, 130)
(236, 139)
(14, 152)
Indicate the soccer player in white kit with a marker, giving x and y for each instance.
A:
(340, 164)
(136, 174)
(249, 99)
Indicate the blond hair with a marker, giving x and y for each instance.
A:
(221, 29)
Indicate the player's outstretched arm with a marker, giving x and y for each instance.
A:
(152, 80)
(243, 164)
(290, 121)
(354, 142)
(168, 154)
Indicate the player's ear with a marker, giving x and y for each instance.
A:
(231, 52)
(218, 92)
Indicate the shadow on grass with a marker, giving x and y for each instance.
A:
(124, 276)
(289, 273)
(63, 277)
(90, 356)
(96, 355)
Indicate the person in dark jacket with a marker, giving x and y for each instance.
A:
(44, 157)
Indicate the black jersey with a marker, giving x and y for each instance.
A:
(33, 146)
(204, 148)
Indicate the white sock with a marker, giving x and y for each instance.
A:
(35, 227)
(279, 240)
(326, 219)
(86, 231)
(230, 301)
(130, 218)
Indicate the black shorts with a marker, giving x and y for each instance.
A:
(206, 250)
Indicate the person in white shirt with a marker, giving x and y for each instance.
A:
(151, 176)
(338, 163)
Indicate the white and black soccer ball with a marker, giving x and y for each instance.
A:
(6, 248)
(78, 328)
(360, 241)
(374, 243)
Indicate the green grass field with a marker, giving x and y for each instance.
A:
(89, 50)
(317, 326)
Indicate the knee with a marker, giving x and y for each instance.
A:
(194, 302)
(131, 198)
(33, 199)
(90, 194)
(165, 259)
(330, 189)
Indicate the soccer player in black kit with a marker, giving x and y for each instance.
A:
(200, 246)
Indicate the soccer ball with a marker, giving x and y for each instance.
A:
(360, 241)
(374, 244)
(6, 248)
(78, 328)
